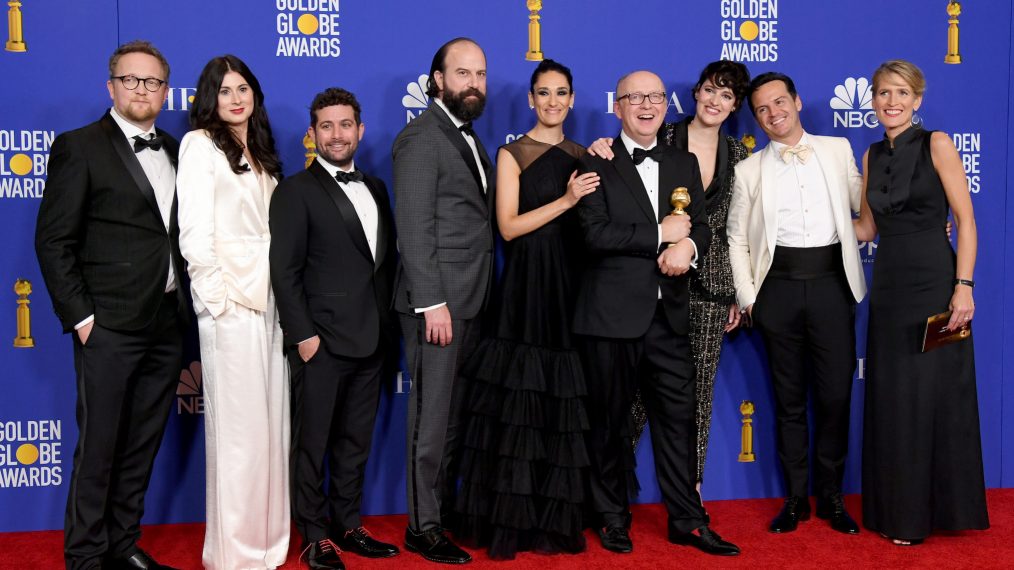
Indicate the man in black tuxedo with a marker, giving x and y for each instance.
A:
(632, 315)
(108, 246)
(332, 271)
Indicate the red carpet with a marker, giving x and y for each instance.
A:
(743, 522)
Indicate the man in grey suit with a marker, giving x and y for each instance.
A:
(443, 188)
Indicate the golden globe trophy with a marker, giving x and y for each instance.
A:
(23, 288)
(750, 142)
(311, 149)
(15, 32)
(746, 453)
(680, 198)
(534, 31)
(953, 11)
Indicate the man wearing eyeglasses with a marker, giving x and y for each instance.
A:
(632, 317)
(107, 243)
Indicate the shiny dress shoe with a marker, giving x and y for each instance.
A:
(795, 509)
(359, 541)
(141, 560)
(616, 539)
(435, 547)
(833, 509)
(705, 540)
(323, 555)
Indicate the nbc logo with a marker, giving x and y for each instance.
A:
(415, 101)
(853, 104)
(189, 396)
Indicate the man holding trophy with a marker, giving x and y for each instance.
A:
(632, 317)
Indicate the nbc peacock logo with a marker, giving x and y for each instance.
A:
(853, 104)
(415, 101)
(189, 392)
(308, 28)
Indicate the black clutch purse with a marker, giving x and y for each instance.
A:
(936, 333)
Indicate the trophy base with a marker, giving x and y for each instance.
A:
(16, 46)
(534, 56)
(747, 458)
(24, 342)
(952, 58)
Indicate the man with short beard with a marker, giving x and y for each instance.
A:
(332, 270)
(443, 190)
(108, 246)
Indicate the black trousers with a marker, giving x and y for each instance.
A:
(125, 385)
(334, 406)
(806, 313)
(660, 364)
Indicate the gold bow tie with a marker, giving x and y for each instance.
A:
(800, 151)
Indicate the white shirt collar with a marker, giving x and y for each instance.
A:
(777, 146)
(457, 122)
(130, 130)
(630, 145)
(332, 169)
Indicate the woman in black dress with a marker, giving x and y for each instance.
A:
(523, 460)
(719, 92)
(922, 457)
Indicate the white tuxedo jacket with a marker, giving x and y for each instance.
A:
(224, 234)
(753, 214)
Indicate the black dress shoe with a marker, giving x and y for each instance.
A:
(705, 540)
(616, 539)
(435, 547)
(323, 555)
(358, 540)
(795, 509)
(833, 509)
(140, 560)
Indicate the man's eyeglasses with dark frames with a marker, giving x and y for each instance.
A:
(654, 97)
(131, 82)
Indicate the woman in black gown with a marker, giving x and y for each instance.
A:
(523, 457)
(922, 458)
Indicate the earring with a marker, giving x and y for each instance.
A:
(571, 107)
(531, 106)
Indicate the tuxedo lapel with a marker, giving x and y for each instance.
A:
(769, 197)
(345, 208)
(382, 229)
(458, 140)
(666, 184)
(130, 162)
(624, 166)
(832, 178)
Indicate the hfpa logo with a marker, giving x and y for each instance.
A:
(867, 251)
(853, 104)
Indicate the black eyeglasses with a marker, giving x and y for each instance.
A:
(654, 97)
(131, 82)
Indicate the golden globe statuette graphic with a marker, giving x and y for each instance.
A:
(534, 31)
(953, 11)
(746, 452)
(750, 142)
(23, 288)
(311, 150)
(15, 32)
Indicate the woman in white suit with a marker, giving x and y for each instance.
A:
(228, 169)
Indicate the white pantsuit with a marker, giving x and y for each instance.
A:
(225, 239)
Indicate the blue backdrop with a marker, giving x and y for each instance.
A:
(380, 51)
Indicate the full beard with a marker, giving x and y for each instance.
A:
(461, 107)
(140, 112)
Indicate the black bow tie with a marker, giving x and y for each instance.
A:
(154, 143)
(467, 129)
(640, 154)
(346, 177)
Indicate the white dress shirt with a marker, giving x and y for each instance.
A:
(162, 176)
(648, 171)
(805, 218)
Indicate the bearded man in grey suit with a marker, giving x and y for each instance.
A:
(443, 188)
